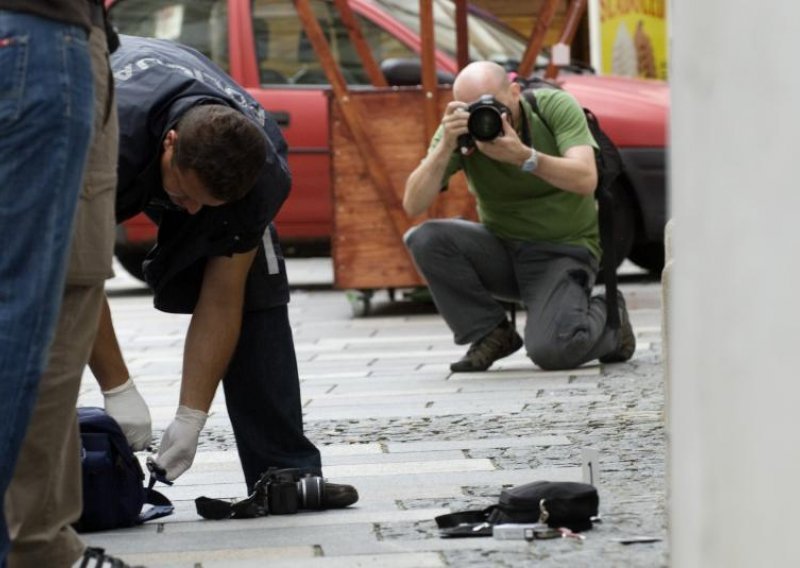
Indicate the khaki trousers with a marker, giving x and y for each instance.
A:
(45, 495)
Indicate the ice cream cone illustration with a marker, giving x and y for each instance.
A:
(645, 58)
(623, 57)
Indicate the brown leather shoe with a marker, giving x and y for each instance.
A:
(501, 342)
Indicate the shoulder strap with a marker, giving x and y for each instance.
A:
(605, 213)
(531, 98)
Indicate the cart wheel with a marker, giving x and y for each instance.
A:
(360, 302)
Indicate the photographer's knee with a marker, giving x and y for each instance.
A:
(557, 355)
(425, 237)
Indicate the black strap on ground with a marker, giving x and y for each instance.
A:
(605, 205)
(161, 505)
(219, 509)
(465, 524)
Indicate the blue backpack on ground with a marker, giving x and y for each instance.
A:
(113, 481)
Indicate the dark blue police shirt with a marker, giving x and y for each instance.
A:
(156, 82)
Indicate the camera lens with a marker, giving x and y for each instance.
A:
(485, 123)
(311, 490)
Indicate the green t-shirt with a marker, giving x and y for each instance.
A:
(517, 205)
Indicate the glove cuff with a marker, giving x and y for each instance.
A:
(192, 415)
(127, 385)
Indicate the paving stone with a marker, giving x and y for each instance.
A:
(240, 558)
(495, 478)
(377, 388)
(477, 444)
(333, 400)
(532, 373)
(361, 459)
(387, 410)
(210, 535)
(408, 467)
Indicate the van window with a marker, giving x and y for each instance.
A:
(489, 38)
(285, 54)
(201, 24)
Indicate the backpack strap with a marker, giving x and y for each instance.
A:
(161, 505)
(605, 214)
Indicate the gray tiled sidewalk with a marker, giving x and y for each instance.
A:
(415, 440)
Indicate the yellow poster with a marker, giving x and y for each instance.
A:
(633, 38)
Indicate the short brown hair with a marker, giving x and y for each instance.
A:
(223, 147)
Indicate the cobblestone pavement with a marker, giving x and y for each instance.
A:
(416, 440)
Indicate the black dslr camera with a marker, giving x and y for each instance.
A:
(280, 492)
(289, 491)
(485, 122)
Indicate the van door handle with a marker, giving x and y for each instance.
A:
(281, 117)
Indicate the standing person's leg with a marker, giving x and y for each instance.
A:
(44, 497)
(467, 268)
(565, 326)
(45, 126)
(262, 393)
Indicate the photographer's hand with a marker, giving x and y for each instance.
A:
(425, 183)
(454, 123)
(507, 148)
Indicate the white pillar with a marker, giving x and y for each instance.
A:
(735, 303)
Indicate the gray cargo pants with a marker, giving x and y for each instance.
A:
(468, 269)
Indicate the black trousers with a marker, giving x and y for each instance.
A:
(262, 393)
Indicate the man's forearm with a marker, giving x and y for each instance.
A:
(571, 174)
(214, 329)
(106, 360)
(425, 182)
(210, 344)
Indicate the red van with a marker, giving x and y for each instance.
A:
(262, 45)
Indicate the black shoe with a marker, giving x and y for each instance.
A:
(97, 558)
(501, 342)
(626, 342)
(338, 496)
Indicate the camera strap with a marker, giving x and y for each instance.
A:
(218, 509)
(526, 129)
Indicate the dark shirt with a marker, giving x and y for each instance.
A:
(68, 11)
(156, 82)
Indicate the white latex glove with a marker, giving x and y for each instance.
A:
(125, 405)
(179, 443)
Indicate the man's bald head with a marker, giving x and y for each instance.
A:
(480, 78)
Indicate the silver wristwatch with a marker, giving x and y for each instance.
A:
(530, 164)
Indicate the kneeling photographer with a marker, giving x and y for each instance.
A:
(537, 239)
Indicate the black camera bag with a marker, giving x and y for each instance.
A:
(556, 503)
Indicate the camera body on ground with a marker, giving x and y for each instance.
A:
(288, 491)
(485, 121)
